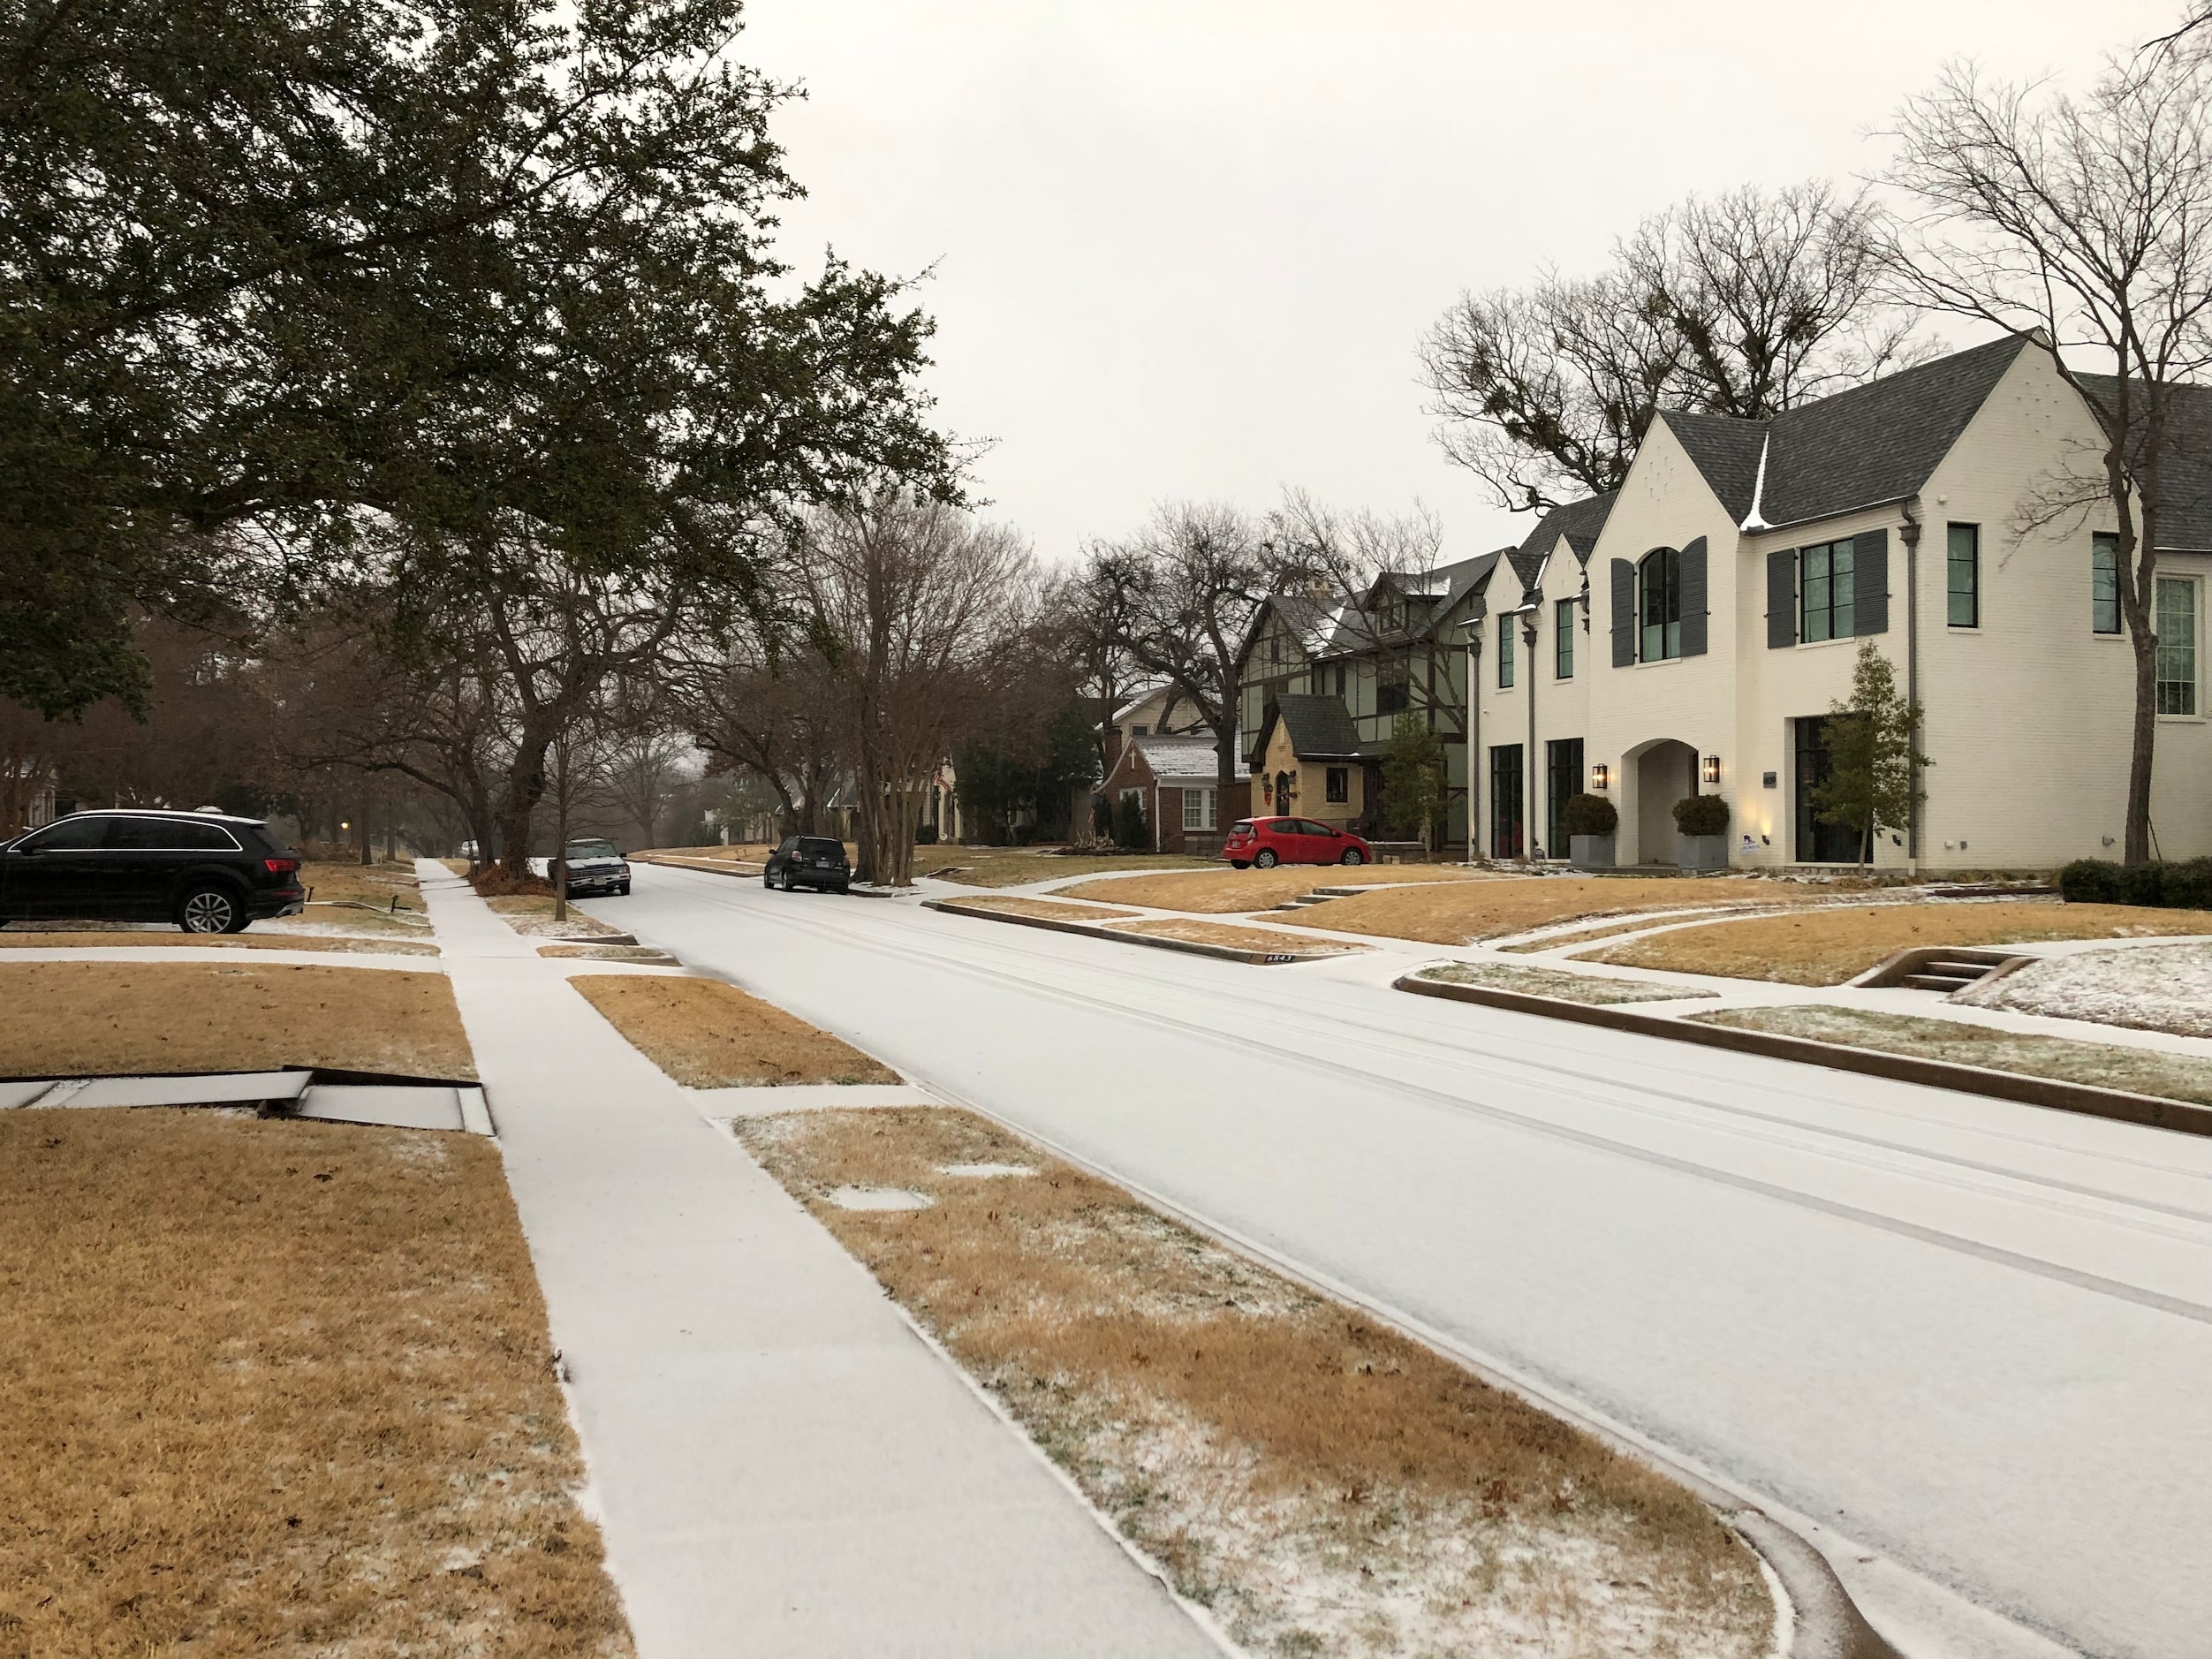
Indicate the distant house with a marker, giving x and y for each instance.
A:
(1398, 648)
(1177, 778)
(1162, 712)
(1691, 633)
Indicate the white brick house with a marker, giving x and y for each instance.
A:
(1695, 642)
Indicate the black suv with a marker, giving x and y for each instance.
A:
(206, 872)
(808, 862)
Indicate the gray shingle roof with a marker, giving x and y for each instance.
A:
(1874, 443)
(1579, 522)
(2185, 521)
(1319, 727)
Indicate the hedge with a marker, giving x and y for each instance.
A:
(1701, 815)
(2185, 886)
(1589, 816)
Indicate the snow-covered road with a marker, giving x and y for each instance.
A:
(1972, 1341)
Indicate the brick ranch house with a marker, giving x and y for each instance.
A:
(1185, 808)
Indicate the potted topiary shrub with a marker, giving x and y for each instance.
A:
(1700, 841)
(1589, 821)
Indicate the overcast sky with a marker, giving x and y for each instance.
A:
(1186, 247)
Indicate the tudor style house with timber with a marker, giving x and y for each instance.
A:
(1324, 683)
(1690, 632)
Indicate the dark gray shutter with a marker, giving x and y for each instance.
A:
(1782, 599)
(1870, 583)
(1694, 608)
(1624, 613)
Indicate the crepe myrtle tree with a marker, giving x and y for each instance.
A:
(2086, 220)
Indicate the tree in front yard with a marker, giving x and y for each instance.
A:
(1873, 767)
(1413, 776)
(1130, 829)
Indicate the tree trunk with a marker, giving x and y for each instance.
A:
(526, 788)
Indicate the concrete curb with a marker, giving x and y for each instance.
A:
(1824, 1622)
(1189, 947)
(2084, 1098)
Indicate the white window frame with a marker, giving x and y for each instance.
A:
(1201, 808)
(2195, 585)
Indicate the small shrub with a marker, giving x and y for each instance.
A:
(1589, 816)
(1130, 829)
(926, 835)
(492, 881)
(2143, 884)
(2090, 882)
(1102, 818)
(2188, 885)
(1701, 815)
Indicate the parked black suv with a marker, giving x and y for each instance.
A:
(206, 872)
(808, 862)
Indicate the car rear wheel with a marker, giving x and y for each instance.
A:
(790, 886)
(1352, 855)
(1265, 859)
(211, 910)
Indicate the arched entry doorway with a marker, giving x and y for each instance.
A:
(1660, 773)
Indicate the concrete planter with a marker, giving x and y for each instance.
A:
(1700, 852)
(1590, 852)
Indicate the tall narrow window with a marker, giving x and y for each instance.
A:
(1659, 604)
(1962, 567)
(1505, 652)
(1824, 581)
(1393, 685)
(2104, 582)
(1563, 639)
(2177, 647)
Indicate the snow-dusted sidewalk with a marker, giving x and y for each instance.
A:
(783, 1466)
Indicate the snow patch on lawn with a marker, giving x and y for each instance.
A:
(2148, 987)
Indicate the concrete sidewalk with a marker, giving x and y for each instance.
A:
(784, 1467)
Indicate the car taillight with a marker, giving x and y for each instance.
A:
(281, 867)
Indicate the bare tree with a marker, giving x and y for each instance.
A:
(917, 611)
(1744, 304)
(760, 705)
(1180, 595)
(2089, 219)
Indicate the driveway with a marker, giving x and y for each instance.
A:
(1967, 1345)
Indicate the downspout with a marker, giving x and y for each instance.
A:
(1910, 534)
(1528, 807)
(1474, 734)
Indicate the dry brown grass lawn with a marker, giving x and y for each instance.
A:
(644, 953)
(1321, 1484)
(1469, 911)
(1573, 987)
(1832, 946)
(22, 938)
(2102, 1065)
(376, 884)
(707, 1034)
(1043, 907)
(1015, 866)
(531, 914)
(736, 852)
(278, 1388)
(1221, 892)
(79, 1018)
(1233, 937)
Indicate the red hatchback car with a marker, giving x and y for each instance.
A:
(1268, 842)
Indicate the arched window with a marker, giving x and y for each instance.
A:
(1659, 604)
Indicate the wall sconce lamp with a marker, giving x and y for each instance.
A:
(1712, 769)
(1601, 775)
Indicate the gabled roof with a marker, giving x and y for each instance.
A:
(1577, 524)
(1173, 760)
(1319, 727)
(1875, 444)
(2184, 519)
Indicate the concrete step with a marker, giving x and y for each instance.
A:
(1939, 982)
